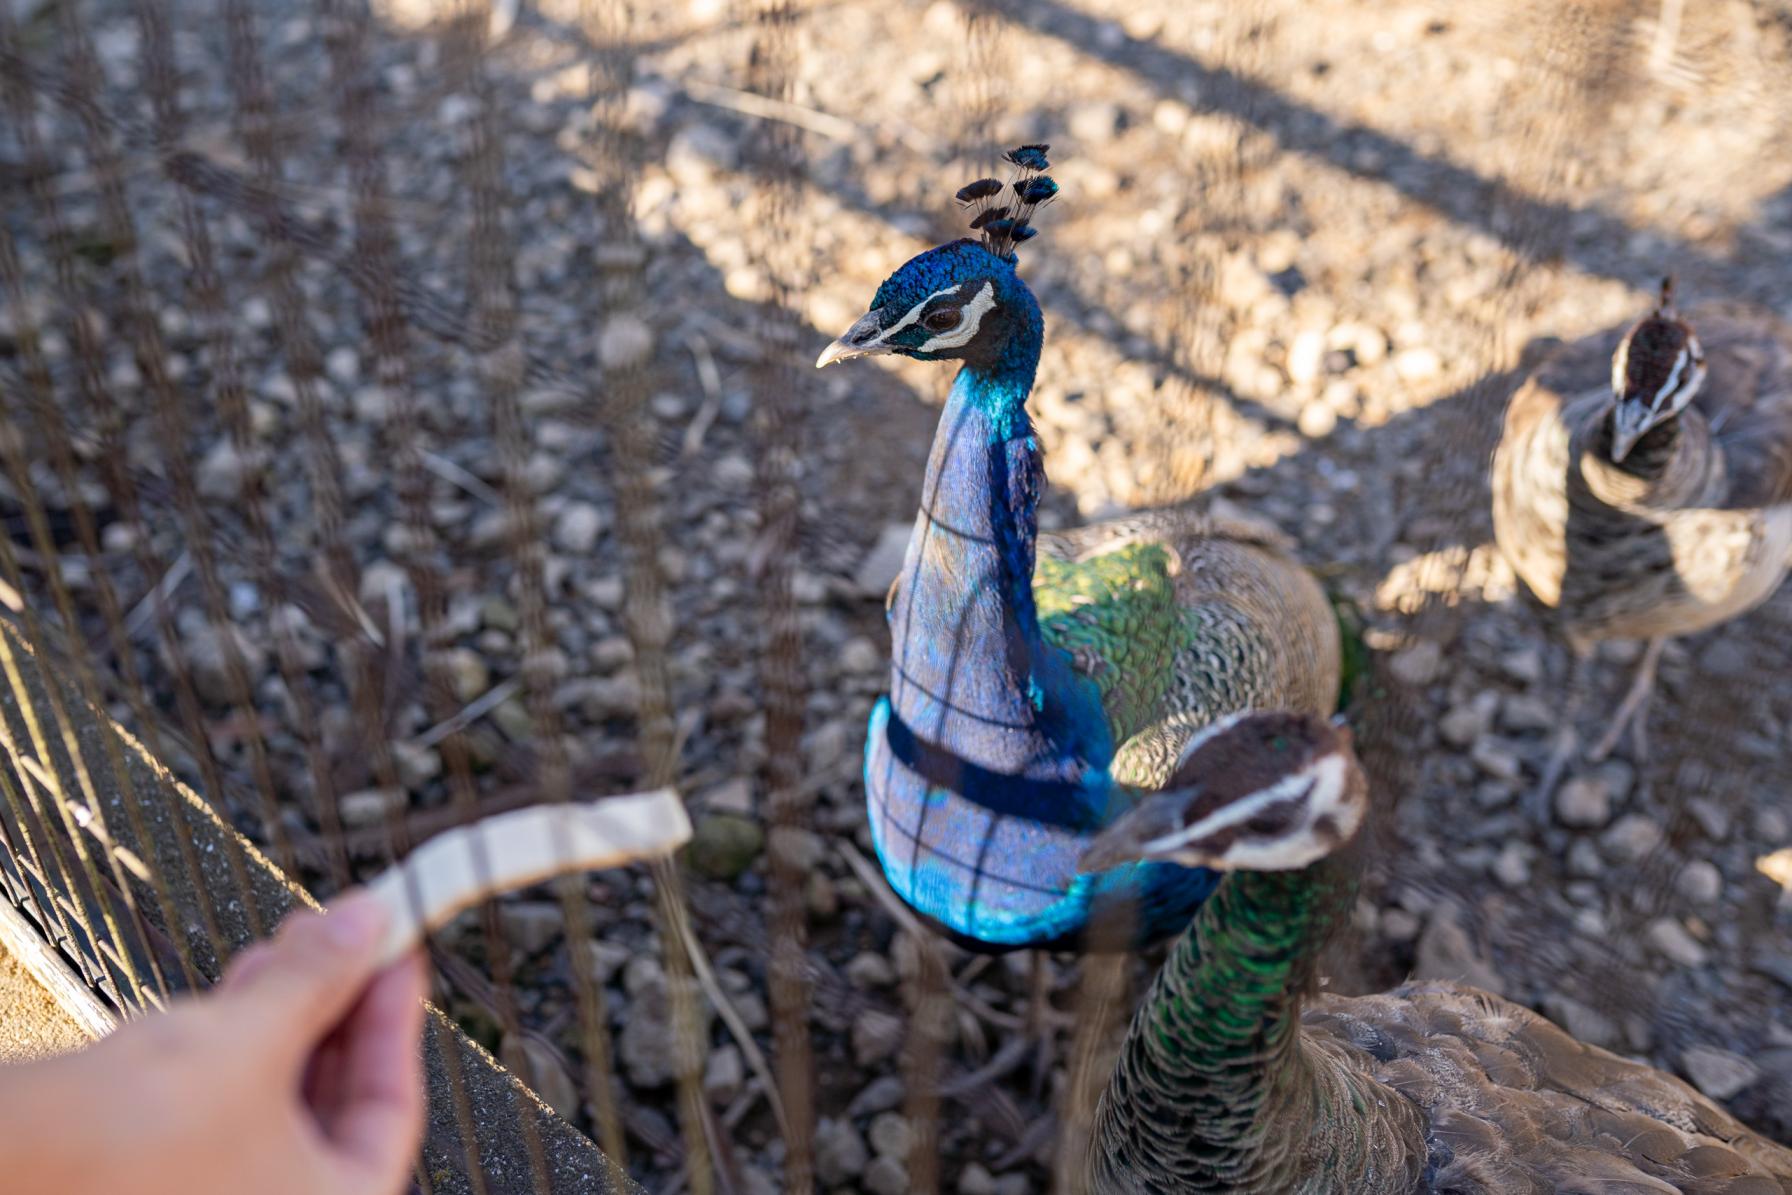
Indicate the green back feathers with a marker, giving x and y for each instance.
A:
(1116, 615)
(1353, 649)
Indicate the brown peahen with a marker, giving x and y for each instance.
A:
(1656, 503)
(1235, 1077)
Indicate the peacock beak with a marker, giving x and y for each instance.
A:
(860, 340)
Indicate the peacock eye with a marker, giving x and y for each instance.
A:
(942, 319)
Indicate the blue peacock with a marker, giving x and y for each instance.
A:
(1041, 684)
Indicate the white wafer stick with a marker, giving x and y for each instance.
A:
(467, 864)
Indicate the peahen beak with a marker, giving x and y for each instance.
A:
(1630, 422)
(1145, 831)
(860, 340)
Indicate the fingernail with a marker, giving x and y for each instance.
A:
(355, 921)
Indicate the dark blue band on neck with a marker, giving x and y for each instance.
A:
(1060, 803)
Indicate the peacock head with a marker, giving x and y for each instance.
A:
(1656, 370)
(964, 300)
(1253, 792)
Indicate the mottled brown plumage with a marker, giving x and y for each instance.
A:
(1693, 527)
(1234, 1077)
(1259, 631)
(1630, 520)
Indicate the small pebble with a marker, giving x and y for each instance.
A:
(1672, 942)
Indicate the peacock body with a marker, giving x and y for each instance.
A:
(1040, 683)
(1234, 1077)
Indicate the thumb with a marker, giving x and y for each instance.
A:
(310, 975)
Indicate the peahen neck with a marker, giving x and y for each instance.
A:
(1670, 466)
(1215, 1089)
(971, 673)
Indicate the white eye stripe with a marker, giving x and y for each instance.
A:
(970, 318)
(913, 314)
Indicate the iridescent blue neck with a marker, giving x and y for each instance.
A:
(970, 672)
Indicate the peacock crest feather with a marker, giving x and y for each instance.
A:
(1003, 212)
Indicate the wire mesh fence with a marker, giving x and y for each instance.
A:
(381, 448)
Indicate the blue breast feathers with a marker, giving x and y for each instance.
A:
(988, 867)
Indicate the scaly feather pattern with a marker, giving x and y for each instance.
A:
(1693, 526)
(1234, 1077)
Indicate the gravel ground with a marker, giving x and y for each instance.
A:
(31, 1025)
(1301, 250)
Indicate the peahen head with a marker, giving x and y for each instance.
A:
(963, 301)
(1254, 792)
(1656, 371)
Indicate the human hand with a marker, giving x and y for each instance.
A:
(299, 1074)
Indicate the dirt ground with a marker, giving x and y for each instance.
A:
(1304, 250)
(31, 1025)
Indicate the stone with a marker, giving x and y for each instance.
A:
(1581, 1021)
(875, 1036)
(1524, 665)
(1513, 866)
(1700, 882)
(530, 925)
(207, 651)
(1316, 420)
(890, 1134)
(221, 472)
(1417, 364)
(1417, 665)
(840, 1153)
(578, 527)
(975, 1180)
(1671, 940)
(1583, 802)
(880, 1095)
(734, 795)
(868, 969)
(1306, 357)
(540, 1067)
(881, 565)
(1522, 712)
(724, 844)
(821, 896)
(1093, 123)
(647, 1045)
(369, 806)
(1718, 1073)
(1497, 757)
(1631, 838)
(886, 1176)
(697, 151)
(498, 614)
(861, 657)
(1446, 951)
(798, 847)
(724, 1073)
(1461, 725)
(1618, 776)
(605, 959)
(625, 342)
